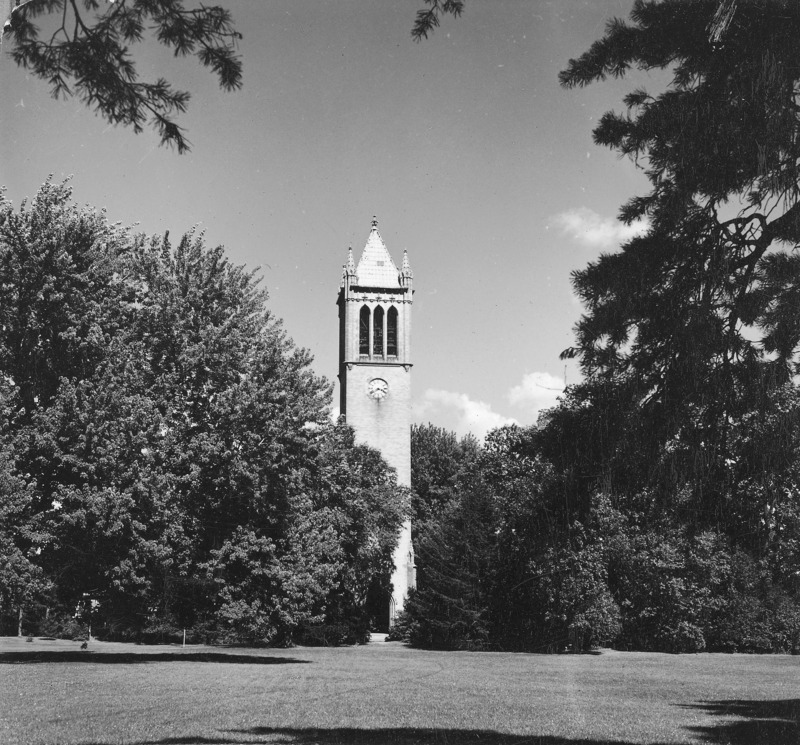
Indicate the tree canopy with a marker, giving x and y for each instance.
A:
(166, 449)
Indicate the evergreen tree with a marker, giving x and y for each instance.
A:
(450, 609)
(694, 318)
(686, 419)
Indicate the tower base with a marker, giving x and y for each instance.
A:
(404, 577)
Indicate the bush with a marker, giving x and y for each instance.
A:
(333, 634)
(435, 621)
(683, 637)
(63, 625)
(599, 625)
(161, 631)
(404, 626)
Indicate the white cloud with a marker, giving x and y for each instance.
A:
(595, 231)
(537, 391)
(458, 412)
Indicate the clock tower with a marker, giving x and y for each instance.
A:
(375, 374)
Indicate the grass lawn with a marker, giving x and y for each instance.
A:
(51, 692)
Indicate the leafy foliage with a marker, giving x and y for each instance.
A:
(503, 566)
(438, 460)
(168, 452)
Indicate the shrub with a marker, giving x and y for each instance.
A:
(404, 626)
(682, 637)
(599, 625)
(63, 625)
(333, 634)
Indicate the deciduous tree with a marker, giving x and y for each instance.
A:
(167, 449)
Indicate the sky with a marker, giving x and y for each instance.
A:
(464, 147)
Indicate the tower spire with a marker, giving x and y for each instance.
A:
(376, 268)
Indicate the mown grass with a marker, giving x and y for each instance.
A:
(51, 692)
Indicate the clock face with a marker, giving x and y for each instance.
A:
(377, 388)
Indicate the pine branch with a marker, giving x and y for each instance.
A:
(428, 18)
(87, 56)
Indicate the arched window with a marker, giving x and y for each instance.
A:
(377, 332)
(391, 332)
(363, 331)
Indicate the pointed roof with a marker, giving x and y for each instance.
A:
(406, 268)
(376, 267)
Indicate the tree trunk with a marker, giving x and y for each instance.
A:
(19, 620)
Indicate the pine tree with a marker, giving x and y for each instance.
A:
(695, 317)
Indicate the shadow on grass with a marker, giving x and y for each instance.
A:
(347, 736)
(128, 658)
(773, 722)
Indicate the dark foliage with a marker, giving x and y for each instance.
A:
(669, 513)
(166, 456)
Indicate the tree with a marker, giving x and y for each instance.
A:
(165, 448)
(355, 496)
(84, 51)
(686, 421)
(503, 564)
(721, 139)
(696, 317)
(22, 581)
(438, 458)
(451, 609)
(56, 291)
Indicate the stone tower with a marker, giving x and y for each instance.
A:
(375, 374)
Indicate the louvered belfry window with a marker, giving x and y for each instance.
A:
(363, 331)
(391, 332)
(377, 332)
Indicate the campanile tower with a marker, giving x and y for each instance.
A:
(375, 374)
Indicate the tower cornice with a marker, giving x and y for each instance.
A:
(377, 363)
